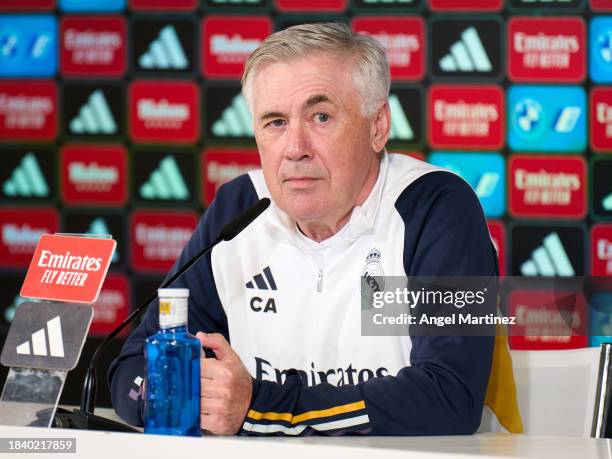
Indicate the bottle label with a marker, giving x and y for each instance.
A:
(172, 312)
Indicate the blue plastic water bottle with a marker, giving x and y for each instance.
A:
(172, 396)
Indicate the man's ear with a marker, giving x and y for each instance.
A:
(381, 127)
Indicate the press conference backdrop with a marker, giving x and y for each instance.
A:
(124, 117)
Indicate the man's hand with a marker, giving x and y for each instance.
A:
(226, 387)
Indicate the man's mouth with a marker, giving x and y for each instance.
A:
(299, 180)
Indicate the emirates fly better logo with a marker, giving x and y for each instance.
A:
(93, 45)
(546, 49)
(550, 186)
(227, 42)
(219, 166)
(28, 110)
(403, 39)
(164, 111)
(466, 116)
(112, 306)
(157, 238)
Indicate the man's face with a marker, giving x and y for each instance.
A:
(317, 148)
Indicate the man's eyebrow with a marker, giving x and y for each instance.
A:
(310, 102)
(316, 99)
(269, 115)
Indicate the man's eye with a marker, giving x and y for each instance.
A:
(276, 123)
(322, 117)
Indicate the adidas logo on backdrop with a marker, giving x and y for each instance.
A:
(94, 117)
(549, 259)
(165, 52)
(166, 182)
(26, 180)
(93, 110)
(466, 55)
(470, 49)
(163, 45)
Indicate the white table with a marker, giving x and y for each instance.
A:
(108, 445)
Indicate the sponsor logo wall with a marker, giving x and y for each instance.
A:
(126, 116)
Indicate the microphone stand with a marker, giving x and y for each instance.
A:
(84, 417)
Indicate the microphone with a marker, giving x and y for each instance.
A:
(83, 418)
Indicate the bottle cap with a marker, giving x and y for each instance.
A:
(173, 293)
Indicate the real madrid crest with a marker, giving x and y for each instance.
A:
(372, 276)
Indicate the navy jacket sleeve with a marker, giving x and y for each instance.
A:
(442, 392)
(205, 310)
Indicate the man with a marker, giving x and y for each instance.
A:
(280, 304)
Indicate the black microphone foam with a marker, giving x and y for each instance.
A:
(231, 229)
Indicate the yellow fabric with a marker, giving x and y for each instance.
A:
(501, 395)
(272, 416)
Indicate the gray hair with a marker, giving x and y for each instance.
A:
(370, 74)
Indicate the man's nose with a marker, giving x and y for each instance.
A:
(298, 145)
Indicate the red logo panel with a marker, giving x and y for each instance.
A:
(498, 237)
(601, 250)
(157, 238)
(311, 5)
(219, 166)
(601, 5)
(163, 5)
(36, 5)
(112, 307)
(20, 231)
(93, 45)
(403, 40)
(601, 118)
(68, 268)
(541, 324)
(163, 111)
(28, 110)
(465, 5)
(551, 186)
(94, 174)
(466, 117)
(546, 49)
(227, 42)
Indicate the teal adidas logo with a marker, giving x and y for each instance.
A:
(26, 180)
(235, 121)
(95, 117)
(400, 126)
(166, 182)
(98, 227)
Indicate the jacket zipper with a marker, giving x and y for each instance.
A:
(320, 281)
